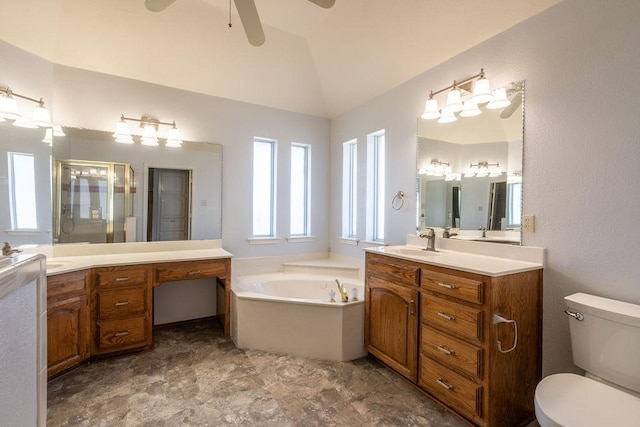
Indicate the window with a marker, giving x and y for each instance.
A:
(375, 186)
(349, 188)
(514, 204)
(300, 187)
(264, 187)
(22, 190)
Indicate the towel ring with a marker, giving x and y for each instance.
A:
(396, 198)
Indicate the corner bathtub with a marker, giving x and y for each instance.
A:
(291, 313)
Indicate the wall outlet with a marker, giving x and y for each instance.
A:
(528, 223)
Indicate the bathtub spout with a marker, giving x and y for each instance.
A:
(343, 292)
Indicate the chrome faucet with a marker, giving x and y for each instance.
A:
(447, 233)
(431, 240)
(484, 231)
(6, 250)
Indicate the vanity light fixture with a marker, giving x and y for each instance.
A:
(9, 110)
(481, 94)
(483, 169)
(149, 136)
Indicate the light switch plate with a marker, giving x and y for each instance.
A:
(528, 223)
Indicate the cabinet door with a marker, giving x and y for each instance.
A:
(392, 325)
(67, 333)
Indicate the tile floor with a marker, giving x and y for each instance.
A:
(196, 377)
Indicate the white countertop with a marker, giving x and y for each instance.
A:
(75, 257)
(487, 265)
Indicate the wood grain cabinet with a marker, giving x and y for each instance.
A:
(455, 351)
(68, 318)
(391, 325)
(122, 304)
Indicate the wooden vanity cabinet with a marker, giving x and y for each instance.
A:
(457, 357)
(68, 317)
(122, 301)
(391, 313)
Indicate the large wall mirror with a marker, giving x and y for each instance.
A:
(470, 172)
(111, 192)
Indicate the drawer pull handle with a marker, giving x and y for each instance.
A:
(444, 384)
(192, 272)
(121, 334)
(446, 350)
(447, 285)
(412, 307)
(118, 304)
(122, 279)
(446, 316)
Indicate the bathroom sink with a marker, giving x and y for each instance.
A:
(410, 251)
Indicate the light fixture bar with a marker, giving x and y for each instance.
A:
(458, 83)
(149, 137)
(8, 92)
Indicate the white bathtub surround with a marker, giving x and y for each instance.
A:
(291, 313)
(322, 263)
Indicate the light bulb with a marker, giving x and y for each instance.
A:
(454, 104)
(482, 91)
(431, 109)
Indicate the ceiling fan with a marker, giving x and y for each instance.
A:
(248, 15)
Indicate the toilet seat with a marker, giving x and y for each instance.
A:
(572, 400)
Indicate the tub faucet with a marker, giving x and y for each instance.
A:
(343, 292)
(431, 240)
(6, 250)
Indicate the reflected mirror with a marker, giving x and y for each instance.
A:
(25, 185)
(470, 171)
(140, 181)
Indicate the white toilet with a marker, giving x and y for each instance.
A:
(605, 339)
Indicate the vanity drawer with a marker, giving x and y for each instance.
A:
(451, 352)
(451, 388)
(63, 285)
(393, 269)
(448, 284)
(452, 318)
(122, 334)
(122, 303)
(122, 276)
(190, 270)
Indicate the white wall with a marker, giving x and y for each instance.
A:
(581, 150)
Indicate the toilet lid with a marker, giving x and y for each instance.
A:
(572, 400)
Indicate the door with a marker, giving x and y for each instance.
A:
(170, 205)
(67, 333)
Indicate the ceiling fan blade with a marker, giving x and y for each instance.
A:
(157, 5)
(324, 3)
(250, 21)
(511, 108)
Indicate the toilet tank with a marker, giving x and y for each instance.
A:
(606, 343)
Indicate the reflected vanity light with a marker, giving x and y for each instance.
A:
(482, 169)
(436, 168)
(481, 94)
(149, 136)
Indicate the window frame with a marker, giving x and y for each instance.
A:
(272, 184)
(376, 175)
(306, 203)
(14, 206)
(350, 189)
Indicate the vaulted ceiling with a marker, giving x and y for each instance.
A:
(315, 61)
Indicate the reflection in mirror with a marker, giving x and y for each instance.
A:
(25, 185)
(470, 171)
(92, 201)
(201, 161)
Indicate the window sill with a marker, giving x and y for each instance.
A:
(264, 240)
(300, 239)
(369, 243)
(23, 232)
(349, 241)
